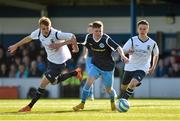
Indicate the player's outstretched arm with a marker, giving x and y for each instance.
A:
(154, 63)
(13, 48)
(75, 47)
(58, 45)
(123, 57)
(72, 42)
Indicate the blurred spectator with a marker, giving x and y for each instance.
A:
(22, 72)
(40, 64)
(43, 54)
(34, 71)
(175, 53)
(3, 71)
(25, 52)
(174, 71)
(172, 60)
(2, 56)
(17, 60)
(33, 50)
(12, 70)
(26, 62)
(161, 70)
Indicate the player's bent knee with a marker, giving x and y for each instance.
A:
(133, 83)
(51, 79)
(44, 82)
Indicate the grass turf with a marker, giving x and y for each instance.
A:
(61, 109)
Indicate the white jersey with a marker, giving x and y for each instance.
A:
(57, 56)
(141, 58)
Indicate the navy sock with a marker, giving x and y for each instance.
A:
(38, 94)
(65, 76)
(128, 93)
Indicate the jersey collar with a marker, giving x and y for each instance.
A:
(48, 34)
(98, 39)
(142, 40)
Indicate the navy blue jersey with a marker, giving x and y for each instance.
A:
(101, 50)
(80, 39)
(90, 52)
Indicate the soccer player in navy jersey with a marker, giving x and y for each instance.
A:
(140, 49)
(102, 62)
(57, 55)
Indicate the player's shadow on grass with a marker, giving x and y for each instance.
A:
(15, 112)
(68, 111)
(47, 112)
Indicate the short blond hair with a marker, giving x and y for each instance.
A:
(45, 21)
(143, 22)
(97, 24)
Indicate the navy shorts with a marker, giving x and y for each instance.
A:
(53, 70)
(129, 75)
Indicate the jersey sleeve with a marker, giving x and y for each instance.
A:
(81, 39)
(155, 49)
(112, 44)
(34, 34)
(63, 35)
(127, 45)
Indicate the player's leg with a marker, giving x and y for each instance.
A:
(88, 66)
(85, 94)
(39, 93)
(122, 90)
(93, 74)
(50, 76)
(54, 73)
(77, 72)
(127, 76)
(108, 78)
(136, 81)
(91, 93)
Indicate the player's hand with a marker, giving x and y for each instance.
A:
(12, 49)
(151, 70)
(75, 49)
(130, 51)
(124, 59)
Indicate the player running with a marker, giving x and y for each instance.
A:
(57, 55)
(140, 48)
(101, 46)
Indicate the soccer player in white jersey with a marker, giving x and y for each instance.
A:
(57, 55)
(140, 49)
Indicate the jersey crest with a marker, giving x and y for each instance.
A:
(101, 45)
(148, 47)
(52, 40)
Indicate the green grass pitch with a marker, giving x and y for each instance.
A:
(61, 109)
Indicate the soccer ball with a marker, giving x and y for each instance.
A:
(122, 105)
